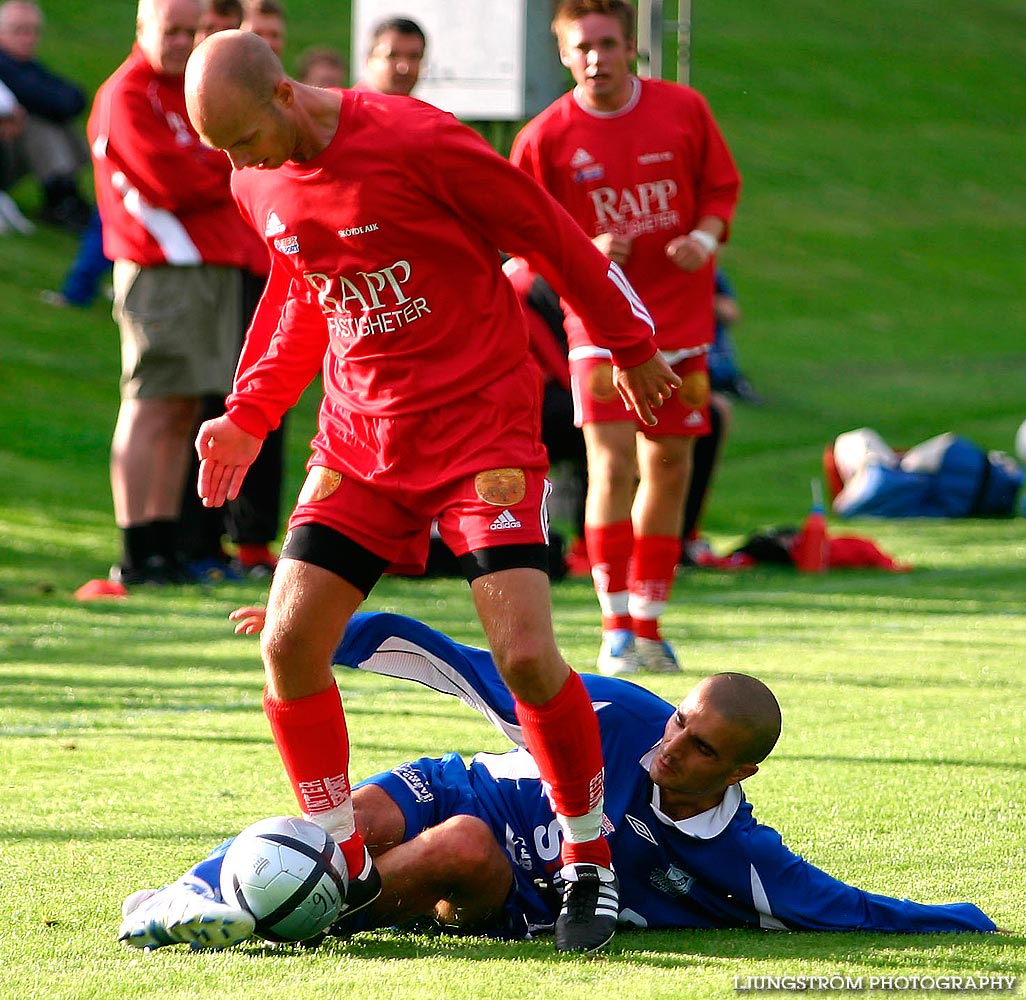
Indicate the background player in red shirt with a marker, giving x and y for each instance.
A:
(643, 168)
(383, 217)
(176, 238)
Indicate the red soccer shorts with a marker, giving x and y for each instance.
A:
(685, 414)
(478, 468)
(501, 506)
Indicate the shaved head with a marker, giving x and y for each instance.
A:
(229, 74)
(747, 703)
(241, 100)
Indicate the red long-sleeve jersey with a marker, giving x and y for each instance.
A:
(649, 171)
(386, 273)
(163, 196)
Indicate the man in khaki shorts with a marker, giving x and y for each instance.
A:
(177, 242)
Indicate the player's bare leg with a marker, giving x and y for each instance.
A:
(561, 731)
(609, 534)
(657, 514)
(307, 611)
(149, 459)
(454, 872)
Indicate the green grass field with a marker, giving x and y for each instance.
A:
(878, 258)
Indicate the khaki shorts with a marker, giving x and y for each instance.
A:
(180, 329)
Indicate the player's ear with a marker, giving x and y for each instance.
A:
(564, 57)
(284, 93)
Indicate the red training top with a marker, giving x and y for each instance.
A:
(163, 196)
(386, 271)
(649, 171)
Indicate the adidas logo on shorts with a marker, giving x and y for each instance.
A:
(503, 521)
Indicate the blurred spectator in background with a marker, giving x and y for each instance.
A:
(321, 66)
(82, 282)
(47, 145)
(265, 18)
(725, 374)
(177, 241)
(218, 15)
(695, 550)
(394, 57)
(12, 118)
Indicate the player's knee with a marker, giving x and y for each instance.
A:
(612, 471)
(284, 651)
(471, 846)
(523, 660)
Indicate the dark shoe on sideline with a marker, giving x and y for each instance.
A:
(155, 572)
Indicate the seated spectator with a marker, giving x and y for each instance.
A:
(321, 66)
(48, 145)
(82, 282)
(12, 116)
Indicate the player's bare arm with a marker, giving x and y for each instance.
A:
(225, 452)
(690, 251)
(646, 386)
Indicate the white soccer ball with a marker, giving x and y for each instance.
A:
(1020, 442)
(289, 874)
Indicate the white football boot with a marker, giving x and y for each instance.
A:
(184, 912)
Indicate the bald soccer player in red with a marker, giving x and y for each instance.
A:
(384, 218)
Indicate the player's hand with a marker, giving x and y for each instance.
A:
(226, 452)
(248, 621)
(647, 386)
(616, 248)
(687, 253)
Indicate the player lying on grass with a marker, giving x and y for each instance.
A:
(476, 846)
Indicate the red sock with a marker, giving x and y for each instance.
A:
(609, 551)
(313, 742)
(563, 737)
(652, 572)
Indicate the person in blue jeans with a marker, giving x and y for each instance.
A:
(90, 267)
(725, 374)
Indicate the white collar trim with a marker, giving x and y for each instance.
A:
(705, 825)
(632, 102)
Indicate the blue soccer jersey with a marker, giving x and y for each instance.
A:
(718, 869)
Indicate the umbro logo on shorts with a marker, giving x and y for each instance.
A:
(503, 521)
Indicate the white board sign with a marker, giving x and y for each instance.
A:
(486, 60)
